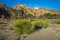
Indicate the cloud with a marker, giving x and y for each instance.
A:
(36, 7)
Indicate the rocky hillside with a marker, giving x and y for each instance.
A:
(35, 12)
(19, 11)
(27, 10)
(4, 11)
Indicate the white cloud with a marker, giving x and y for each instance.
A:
(36, 7)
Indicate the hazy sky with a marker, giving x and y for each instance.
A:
(49, 4)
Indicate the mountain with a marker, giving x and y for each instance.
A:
(23, 8)
(35, 12)
(22, 11)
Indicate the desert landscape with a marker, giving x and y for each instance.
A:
(20, 22)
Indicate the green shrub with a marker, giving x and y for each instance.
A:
(37, 24)
(57, 21)
(22, 26)
(47, 15)
(40, 24)
(46, 23)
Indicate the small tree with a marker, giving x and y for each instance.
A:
(48, 15)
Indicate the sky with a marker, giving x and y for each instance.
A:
(48, 4)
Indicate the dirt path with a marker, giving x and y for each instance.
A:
(52, 33)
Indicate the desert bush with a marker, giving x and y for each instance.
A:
(37, 24)
(41, 23)
(57, 21)
(22, 26)
(47, 15)
(46, 23)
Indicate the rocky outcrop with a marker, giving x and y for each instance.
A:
(4, 12)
